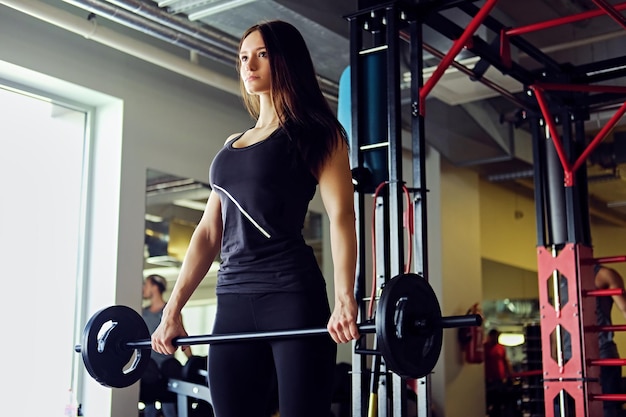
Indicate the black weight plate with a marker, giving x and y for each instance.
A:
(104, 350)
(409, 350)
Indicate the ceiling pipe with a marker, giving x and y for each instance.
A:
(217, 7)
(89, 29)
(179, 31)
(154, 29)
(201, 32)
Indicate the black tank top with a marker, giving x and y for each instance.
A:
(264, 190)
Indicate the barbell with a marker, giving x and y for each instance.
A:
(116, 343)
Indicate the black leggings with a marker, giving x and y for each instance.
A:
(242, 376)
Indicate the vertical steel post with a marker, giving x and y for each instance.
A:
(418, 147)
(394, 136)
(359, 362)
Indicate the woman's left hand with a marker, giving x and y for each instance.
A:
(342, 324)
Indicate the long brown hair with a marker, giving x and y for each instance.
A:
(303, 111)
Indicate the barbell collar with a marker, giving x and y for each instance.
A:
(469, 320)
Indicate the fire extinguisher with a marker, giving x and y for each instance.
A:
(471, 339)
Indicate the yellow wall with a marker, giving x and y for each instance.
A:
(507, 226)
(461, 284)
(179, 234)
(508, 229)
(502, 281)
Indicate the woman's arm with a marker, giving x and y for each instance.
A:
(610, 278)
(203, 248)
(337, 192)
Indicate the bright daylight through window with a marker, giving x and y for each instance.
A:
(42, 146)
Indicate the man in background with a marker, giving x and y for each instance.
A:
(610, 376)
(154, 383)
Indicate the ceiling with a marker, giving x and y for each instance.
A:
(470, 123)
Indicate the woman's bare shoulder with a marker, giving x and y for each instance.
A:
(231, 137)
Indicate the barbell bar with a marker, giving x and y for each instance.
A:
(212, 339)
(116, 343)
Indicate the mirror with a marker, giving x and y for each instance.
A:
(174, 206)
(511, 304)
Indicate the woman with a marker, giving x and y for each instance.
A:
(262, 182)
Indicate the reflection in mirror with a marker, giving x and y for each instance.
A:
(511, 305)
(174, 206)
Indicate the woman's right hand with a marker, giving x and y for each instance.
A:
(171, 326)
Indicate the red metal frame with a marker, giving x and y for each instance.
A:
(578, 377)
(469, 72)
(607, 362)
(575, 377)
(605, 9)
(457, 46)
(570, 170)
(560, 21)
(605, 292)
(608, 397)
(607, 328)
(610, 259)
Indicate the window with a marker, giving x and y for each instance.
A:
(42, 160)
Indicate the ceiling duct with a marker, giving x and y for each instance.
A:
(152, 28)
(181, 24)
(89, 29)
(330, 51)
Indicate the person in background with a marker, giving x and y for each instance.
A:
(262, 181)
(154, 386)
(498, 371)
(610, 376)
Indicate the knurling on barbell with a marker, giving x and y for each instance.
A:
(116, 344)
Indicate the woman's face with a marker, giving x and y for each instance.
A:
(254, 66)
